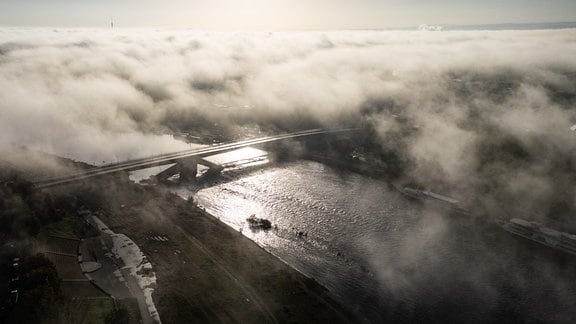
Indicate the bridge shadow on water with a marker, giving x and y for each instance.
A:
(209, 179)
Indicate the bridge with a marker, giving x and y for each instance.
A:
(186, 161)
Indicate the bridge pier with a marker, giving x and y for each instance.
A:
(164, 175)
(188, 170)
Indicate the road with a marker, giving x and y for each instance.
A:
(173, 157)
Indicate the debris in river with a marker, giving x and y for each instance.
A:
(256, 223)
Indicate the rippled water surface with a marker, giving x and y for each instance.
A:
(388, 258)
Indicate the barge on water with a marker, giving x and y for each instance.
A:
(533, 231)
(426, 195)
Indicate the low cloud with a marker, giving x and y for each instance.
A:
(481, 109)
(483, 116)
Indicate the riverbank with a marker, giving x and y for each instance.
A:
(208, 272)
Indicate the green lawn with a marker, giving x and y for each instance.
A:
(66, 227)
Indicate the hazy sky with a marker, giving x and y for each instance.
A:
(281, 14)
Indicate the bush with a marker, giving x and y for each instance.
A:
(119, 315)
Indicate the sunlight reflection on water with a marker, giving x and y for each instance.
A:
(380, 254)
(383, 256)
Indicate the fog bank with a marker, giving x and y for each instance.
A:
(470, 111)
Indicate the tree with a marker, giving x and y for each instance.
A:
(119, 315)
(39, 291)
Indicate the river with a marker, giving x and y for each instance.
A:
(387, 258)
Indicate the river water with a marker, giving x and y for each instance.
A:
(387, 258)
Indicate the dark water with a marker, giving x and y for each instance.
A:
(387, 258)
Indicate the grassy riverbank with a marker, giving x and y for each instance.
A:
(206, 271)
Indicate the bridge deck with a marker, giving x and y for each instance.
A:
(171, 158)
